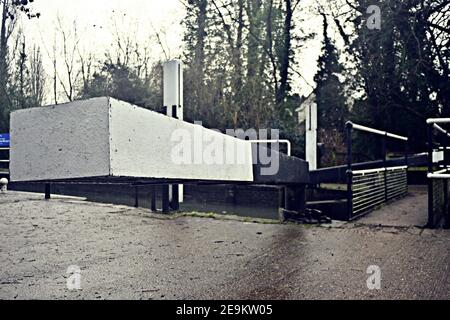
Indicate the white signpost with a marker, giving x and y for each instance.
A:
(311, 134)
(173, 102)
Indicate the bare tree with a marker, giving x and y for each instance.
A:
(37, 77)
(69, 44)
(55, 70)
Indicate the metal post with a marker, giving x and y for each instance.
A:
(165, 199)
(430, 181)
(445, 181)
(349, 170)
(136, 197)
(282, 204)
(47, 191)
(311, 135)
(407, 165)
(295, 199)
(153, 199)
(386, 198)
(446, 206)
(406, 154)
(174, 202)
(173, 102)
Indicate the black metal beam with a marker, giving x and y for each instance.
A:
(291, 170)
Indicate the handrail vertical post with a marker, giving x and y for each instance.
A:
(406, 153)
(430, 171)
(386, 197)
(446, 197)
(349, 127)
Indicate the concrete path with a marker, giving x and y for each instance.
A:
(124, 253)
(411, 211)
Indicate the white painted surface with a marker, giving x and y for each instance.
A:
(173, 97)
(141, 147)
(105, 137)
(60, 142)
(311, 133)
(173, 88)
(438, 156)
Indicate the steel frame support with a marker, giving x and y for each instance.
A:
(294, 203)
(153, 199)
(136, 197)
(48, 191)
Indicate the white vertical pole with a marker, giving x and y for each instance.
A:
(173, 98)
(173, 88)
(311, 135)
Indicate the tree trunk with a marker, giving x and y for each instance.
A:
(3, 49)
(286, 55)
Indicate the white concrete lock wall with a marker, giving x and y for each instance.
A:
(105, 137)
(60, 142)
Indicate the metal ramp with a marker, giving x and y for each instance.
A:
(368, 185)
(407, 212)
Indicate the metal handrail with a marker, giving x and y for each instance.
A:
(379, 170)
(438, 121)
(375, 131)
(440, 129)
(287, 142)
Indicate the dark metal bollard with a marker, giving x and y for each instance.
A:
(175, 202)
(47, 191)
(153, 199)
(165, 199)
(136, 197)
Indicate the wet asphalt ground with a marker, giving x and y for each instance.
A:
(126, 253)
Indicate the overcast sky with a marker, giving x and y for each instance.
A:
(94, 21)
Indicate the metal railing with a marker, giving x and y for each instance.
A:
(375, 131)
(438, 173)
(372, 188)
(287, 142)
(4, 171)
(368, 189)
